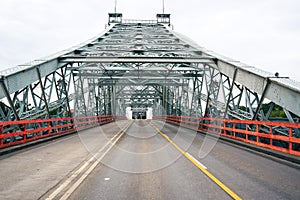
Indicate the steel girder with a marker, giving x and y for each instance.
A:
(143, 64)
(142, 59)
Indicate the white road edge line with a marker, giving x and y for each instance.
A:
(75, 174)
(79, 181)
(196, 160)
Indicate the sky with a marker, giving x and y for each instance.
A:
(260, 33)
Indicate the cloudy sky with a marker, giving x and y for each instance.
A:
(261, 33)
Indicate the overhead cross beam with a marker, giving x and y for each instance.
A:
(134, 59)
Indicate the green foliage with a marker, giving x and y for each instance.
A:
(243, 108)
(53, 112)
(277, 111)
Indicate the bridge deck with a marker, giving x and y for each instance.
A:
(144, 164)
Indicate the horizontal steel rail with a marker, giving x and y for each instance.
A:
(24, 131)
(259, 133)
(134, 59)
(136, 21)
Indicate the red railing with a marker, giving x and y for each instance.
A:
(279, 136)
(23, 131)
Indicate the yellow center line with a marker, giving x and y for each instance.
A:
(201, 167)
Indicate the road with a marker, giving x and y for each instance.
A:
(149, 160)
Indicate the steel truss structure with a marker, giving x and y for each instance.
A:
(143, 64)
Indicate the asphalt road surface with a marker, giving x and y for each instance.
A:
(148, 160)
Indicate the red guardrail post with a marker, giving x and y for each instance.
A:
(271, 135)
(24, 135)
(247, 134)
(290, 140)
(234, 130)
(256, 133)
(1, 132)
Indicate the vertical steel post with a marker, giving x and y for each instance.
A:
(262, 98)
(43, 91)
(82, 93)
(230, 92)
